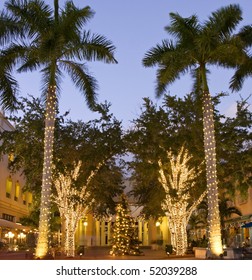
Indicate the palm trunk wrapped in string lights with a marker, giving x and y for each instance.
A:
(44, 220)
(72, 203)
(214, 226)
(177, 204)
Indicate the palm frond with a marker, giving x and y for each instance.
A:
(35, 16)
(229, 54)
(73, 18)
(243, 71)
(183, 29)
(246, 35)
(155, 55)
(169, 72)
(8, 91)
(82, 80)
(9, 28)
(97, 47)
(224, 21)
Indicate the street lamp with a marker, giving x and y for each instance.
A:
(85, 223)
(9, 235)
(21, 237)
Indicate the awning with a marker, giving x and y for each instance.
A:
(247, 225)
(8, 224)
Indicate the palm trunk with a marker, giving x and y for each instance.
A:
(44, 224)
(214, 232)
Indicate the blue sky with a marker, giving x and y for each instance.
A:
(134, 26)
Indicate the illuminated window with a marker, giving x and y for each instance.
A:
(11, 157)
(17, 191)
(29, 198)
(8, 187)
(24, 198)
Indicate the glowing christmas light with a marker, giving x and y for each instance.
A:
(44, 219)
(124, 236)
(214, 230)
(177, 207)
(72, 209)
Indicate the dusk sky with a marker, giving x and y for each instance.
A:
(135, 26)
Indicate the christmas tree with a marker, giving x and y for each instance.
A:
(124, 236)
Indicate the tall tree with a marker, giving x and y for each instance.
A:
(196, 47)
(55, 41)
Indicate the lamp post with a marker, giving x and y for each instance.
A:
(9, 235)
(21, 237)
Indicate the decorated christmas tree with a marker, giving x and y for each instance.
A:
(124, 235)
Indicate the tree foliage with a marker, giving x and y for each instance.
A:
(98, 140)
(179, 121)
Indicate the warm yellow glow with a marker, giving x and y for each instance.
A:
(177, 209)
(72, 209)
(9, 234)
(214, 231)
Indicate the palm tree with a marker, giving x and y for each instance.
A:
(55, 42)
(197, 46)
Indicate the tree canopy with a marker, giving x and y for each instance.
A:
(98, 140)
(179, 121)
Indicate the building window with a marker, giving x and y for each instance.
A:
(8, 217)
(8, 187)
(24, 198)
(11, 157)
(29, 198)
(17, 191)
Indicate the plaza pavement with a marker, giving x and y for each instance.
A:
(101, 253)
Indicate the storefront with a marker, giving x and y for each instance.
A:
(12, 235)
(239, 231)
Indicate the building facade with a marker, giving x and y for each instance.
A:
(93, 232)
(14, 203)
(240, 228)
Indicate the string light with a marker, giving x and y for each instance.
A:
(72, 209)
(214, 229)
(44, 219)
(124, 237)
(177, 207)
